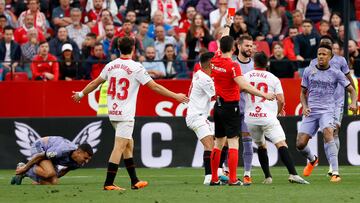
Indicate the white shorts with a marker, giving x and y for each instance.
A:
(123, 129)
(274, 132)
(200, 125)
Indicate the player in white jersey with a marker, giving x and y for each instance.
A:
(245, 46)
(261, 118)
(201, 91)
(124, 76)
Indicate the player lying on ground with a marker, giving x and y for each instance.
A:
(124, 76)
(47, 154)
(319, 84)
(338, 62)
(261, 118)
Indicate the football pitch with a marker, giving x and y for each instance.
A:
(184, 185)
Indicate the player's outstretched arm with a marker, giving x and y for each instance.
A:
(89, 88)
(36, 159)
(246, 86)
(353, 106)
(303, 100)
(167, 93)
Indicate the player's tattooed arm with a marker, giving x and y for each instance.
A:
(303, 99)
(36, 159)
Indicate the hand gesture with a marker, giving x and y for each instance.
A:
(180, 97)
(270, 96)
(353, 108)
(306, 111)
(76, 97)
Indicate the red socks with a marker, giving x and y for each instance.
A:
(215, 160)
(233, 159)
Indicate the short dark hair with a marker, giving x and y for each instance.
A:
(293, 27)
(260, 60)
(91, 35)
(127, 21)
(169, 45)
(98, 44)
(8, 27)
(205, 57)
(42, 42)
(85, 147)
(2, 16)
(126, 45)
(328, 38)
(307, 21)
(324, 21)
(226, 44)
(325, 46)
(244, 37)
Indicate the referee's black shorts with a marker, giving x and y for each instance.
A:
(227, 119)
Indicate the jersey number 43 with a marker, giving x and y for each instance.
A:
(122, 92)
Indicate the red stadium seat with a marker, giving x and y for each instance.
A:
(17, 76)
(263, 46)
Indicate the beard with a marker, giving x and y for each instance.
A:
(244, 53)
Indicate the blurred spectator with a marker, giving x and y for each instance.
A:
(161, 41)
(215, 44)
(99, 28)
(297, 19)
(77, 31)
(106, 4)
(2, 26)
(156, 69)
(205, 7)
(288, 43)
(68, 67)
(238, 27)
(142, 35)
(29, 50)
(10, 17)
(355, 53)
(197, 37)
(174, 65)
(126, 31)
(170, 10)
(280, 65)
(337, 49)
(335, 21)
(315, 10)
(109, 36)
(20, 34)
(88, 45)
(94, 14)
(44, 66)
(256, 22)
(141, 8)
(324, 28)
(39, 17)
(94, 63)
(218, 16)
(131, 16)
(61, 14)
(185, 23)
(10, 53)
(277, 20)
(158, 19)
(306, 45)
(341, 35)
(239, 4)
(57, 42)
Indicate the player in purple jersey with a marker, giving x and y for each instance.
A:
(319, 84)
(47, 154)
(339, 63)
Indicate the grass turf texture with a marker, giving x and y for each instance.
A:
(184, 185)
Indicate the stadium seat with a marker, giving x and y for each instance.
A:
(263, 46)
(17, 76)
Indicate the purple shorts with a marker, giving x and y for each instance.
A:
(244, 128)
(309, 125)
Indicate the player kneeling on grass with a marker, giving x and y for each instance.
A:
(124, 76)
(201, 91)
(261, 118)
(47, 154)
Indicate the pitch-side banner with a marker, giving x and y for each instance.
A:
(53, 99)
(159, 142)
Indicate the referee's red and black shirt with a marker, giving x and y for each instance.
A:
(224, 71)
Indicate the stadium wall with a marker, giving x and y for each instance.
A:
(159, 141)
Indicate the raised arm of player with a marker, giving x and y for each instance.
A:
(89, 88)
(247, 87)
(226, 30)
(303, 100)
(167, 93)
(36, 159)
(353, 106)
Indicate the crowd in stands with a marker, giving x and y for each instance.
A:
(74, 39)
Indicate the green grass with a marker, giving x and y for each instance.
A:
(184, 185)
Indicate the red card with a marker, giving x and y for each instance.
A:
(231, 11)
